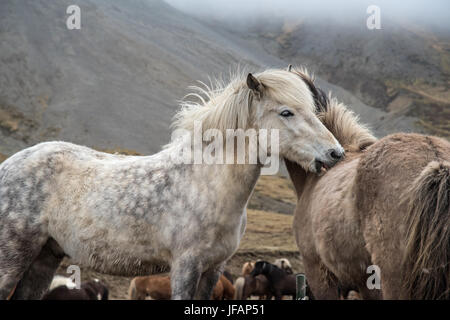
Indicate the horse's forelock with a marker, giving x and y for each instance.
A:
(321, 100)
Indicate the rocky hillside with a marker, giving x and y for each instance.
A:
(115, 83)
(404, 68)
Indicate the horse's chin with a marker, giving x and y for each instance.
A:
(318, 171)
(308, 167)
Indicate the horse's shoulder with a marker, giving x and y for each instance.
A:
(401, 150)
(389, 165)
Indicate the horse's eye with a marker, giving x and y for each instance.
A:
(286, 114)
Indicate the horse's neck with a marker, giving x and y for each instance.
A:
(237, 180)
(298, 176)
(241, 177)
(236, 176)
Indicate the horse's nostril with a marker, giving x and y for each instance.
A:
(335, 154)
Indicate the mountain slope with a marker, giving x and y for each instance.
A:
(404, 68)
(115, 83)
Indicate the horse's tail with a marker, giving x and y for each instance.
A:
(132, 290)
(426, 261)
(239, 288)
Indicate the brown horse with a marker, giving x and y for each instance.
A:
(252, 286)
(228, 289)
(279, 282)
(386, 204)
(157, 287)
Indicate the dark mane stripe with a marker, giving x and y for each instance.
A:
(320, 98)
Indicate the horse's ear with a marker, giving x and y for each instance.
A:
(289, 68)
(254, 85)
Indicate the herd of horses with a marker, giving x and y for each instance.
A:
(266, 280)
(361, 201)
(259, 279)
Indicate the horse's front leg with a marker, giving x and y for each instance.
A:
(207, 283)
(184, 277)
(323, 283)
(278, 295)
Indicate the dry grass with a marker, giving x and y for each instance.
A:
(3, 157)
(440, 130)
(277, 187)
(9, 120)
(428, 102)
(268, 232)
(15, 123)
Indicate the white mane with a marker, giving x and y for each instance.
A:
(228, 106)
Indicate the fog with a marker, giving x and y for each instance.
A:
(435, 13)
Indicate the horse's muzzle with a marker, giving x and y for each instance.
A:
(333, 157)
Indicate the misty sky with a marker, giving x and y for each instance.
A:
(436, 12)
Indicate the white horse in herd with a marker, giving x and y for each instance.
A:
(136, 215)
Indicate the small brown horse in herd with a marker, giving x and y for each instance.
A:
(249, 285)
(157, 287)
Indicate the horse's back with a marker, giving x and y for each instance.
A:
(45, 153)
(385, 172)
(159, 287)
(25, 180)
(30, 177)
(45, 149)
(58, 189)
(389, 167)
